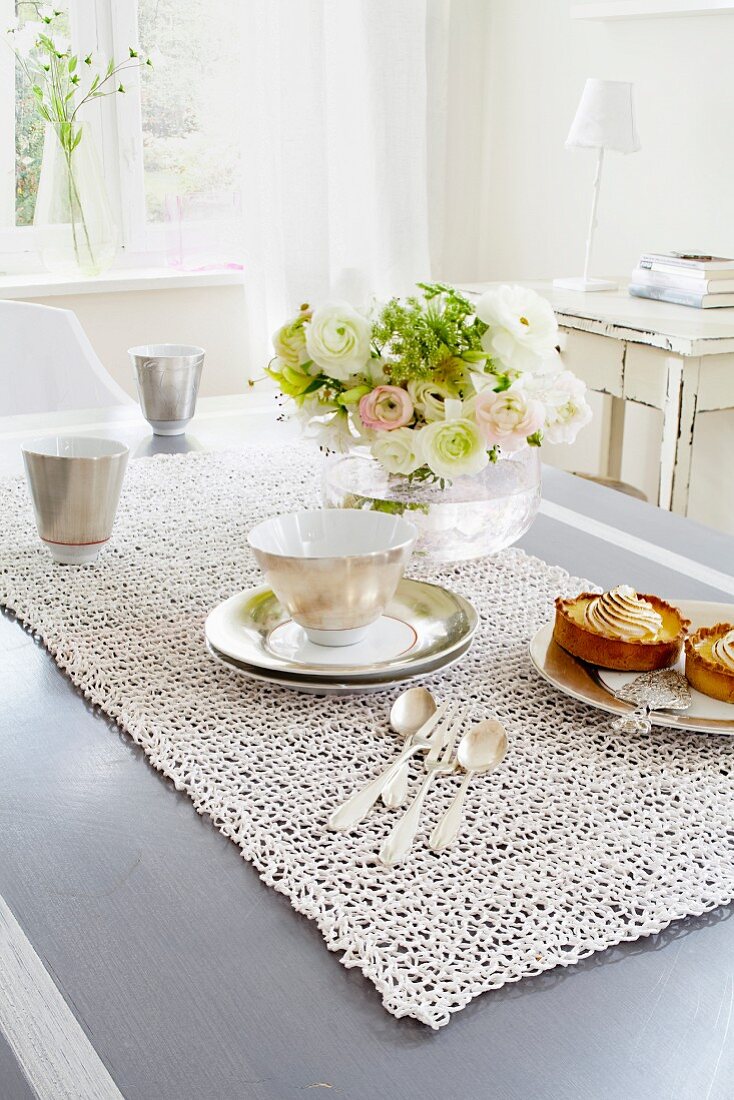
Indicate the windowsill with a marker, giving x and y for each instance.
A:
(126, 279)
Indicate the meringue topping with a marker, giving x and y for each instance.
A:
(622, 614)
(723, 650)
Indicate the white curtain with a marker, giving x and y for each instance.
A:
(334, 119)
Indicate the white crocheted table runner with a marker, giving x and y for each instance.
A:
(582, 839)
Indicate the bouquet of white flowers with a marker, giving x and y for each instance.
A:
(436, 386)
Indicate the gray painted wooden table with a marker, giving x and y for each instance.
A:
(159, 960)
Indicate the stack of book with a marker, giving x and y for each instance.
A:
(684, 279)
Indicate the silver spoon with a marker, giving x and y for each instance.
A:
(480, 750)
(408, 714)
(356, 808)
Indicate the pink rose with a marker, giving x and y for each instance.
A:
(386, 408)
(508, 418)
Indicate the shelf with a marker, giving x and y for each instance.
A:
(646, 9)
(123, 279)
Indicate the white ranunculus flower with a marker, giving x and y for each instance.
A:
(398, 451)
(522, 326)
(549, 364)
(453, 446)
(338, 340)
(428, 398)
(566, 408)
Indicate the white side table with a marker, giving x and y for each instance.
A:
(672, 358)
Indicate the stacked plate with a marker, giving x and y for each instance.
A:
(425, 628)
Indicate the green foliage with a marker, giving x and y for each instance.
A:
(425, 475)
(433, 338)
(502, 382)
(378, 504)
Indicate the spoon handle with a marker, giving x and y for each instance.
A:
(396, 789)
(445, 830)
(635, 721)
(356, 808)
(400, 840)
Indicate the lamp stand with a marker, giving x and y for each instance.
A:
(585, 283)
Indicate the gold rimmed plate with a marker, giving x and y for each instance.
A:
(423, 624)
(597, 686)
(345, 686)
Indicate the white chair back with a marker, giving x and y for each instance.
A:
(48, 365)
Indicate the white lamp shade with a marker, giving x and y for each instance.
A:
(605, 118)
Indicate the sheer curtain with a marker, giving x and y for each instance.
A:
(334, 121)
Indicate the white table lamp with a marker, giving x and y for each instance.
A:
(605, 119)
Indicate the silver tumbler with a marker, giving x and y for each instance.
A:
(74, 483)
(168, 378)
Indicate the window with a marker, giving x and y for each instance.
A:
(170, 152)
(28, 133)
(187, 105)
(21, 129)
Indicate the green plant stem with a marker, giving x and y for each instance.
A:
(124, 66)
(72, 182)
(71, 207)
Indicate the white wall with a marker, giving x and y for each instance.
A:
(676, 192)
(213, 317)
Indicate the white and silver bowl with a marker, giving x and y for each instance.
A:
(74, 484)
(334, 571)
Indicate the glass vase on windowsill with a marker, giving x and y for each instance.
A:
(75, 230)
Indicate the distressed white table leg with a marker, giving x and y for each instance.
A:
(671, 430)
(616, 438)
(684, 443)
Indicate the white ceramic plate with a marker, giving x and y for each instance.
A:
(346, 686)
(596, 686)
(423, 623)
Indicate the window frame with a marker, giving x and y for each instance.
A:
(13, 239)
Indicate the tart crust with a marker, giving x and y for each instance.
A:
(702, 671)
(616, 653)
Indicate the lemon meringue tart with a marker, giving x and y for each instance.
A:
(710, 661)
(620, 629)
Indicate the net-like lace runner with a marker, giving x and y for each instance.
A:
(582, 839)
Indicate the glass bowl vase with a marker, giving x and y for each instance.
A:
(469, 518)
